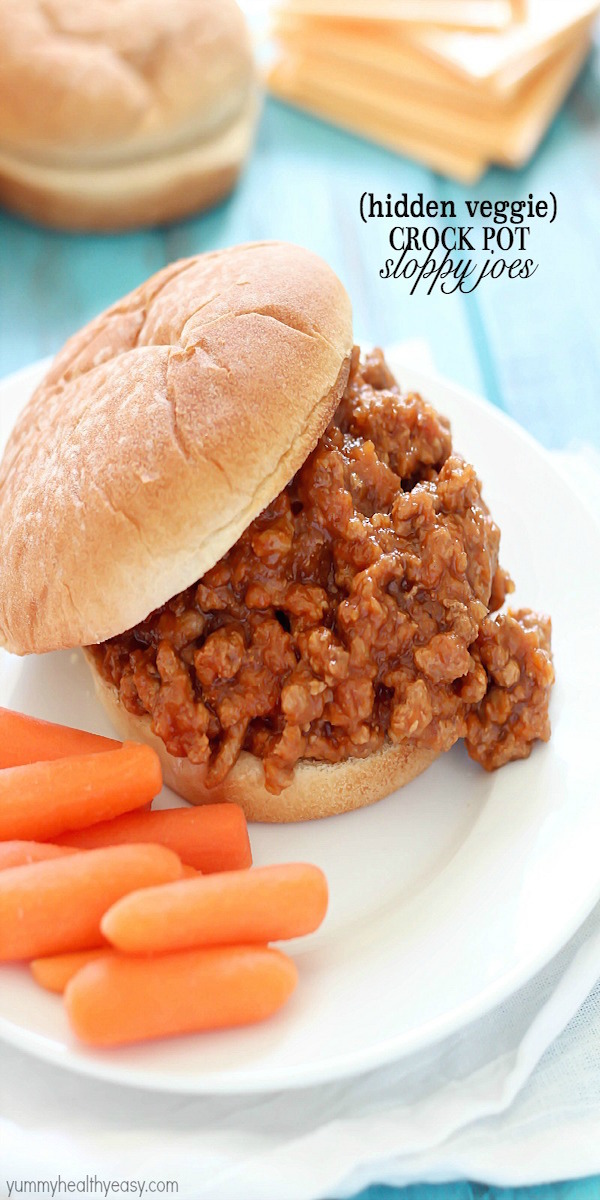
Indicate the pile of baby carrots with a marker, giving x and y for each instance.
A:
(150, 922)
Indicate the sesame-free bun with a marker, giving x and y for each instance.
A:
(149, 191)
(116, 113)
(162, 429)
(318, 789)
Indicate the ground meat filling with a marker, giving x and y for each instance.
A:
(355, 607)
(514, 650)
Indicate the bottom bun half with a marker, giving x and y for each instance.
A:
(317, 789)
(144, 192)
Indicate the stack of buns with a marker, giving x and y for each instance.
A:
(114, 115)
(456, 98)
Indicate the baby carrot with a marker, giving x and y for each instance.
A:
(21, 854)
(53, 973)
(212, 837)
(55, 906)
(26, 739)
(44, 799)
(261, 905)
(117, 1000)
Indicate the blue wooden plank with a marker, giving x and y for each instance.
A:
(52, 283)
(538, 340)
(579, 1189)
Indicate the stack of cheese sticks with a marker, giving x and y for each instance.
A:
(455, 84)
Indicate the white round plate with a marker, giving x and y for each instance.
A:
(445, 897)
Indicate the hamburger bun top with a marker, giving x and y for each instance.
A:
(162, 429)
(94, 80)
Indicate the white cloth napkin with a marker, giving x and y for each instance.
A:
(513, 1099)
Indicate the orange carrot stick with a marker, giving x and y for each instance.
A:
(51, 907)
(22, 854)
(26, 739)
(212, 837)
(44, 799)
(53, 973)
(235, 907)
(119, 1000)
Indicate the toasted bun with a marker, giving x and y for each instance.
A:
(142, 97)
(317, 789)
(160, 432)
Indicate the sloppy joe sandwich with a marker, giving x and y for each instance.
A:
(114, 115)
(284, 576)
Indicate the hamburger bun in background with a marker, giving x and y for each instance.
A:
(116, 485)
(118, 115)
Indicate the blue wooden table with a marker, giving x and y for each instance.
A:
(579, 1189)
(532, 347)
